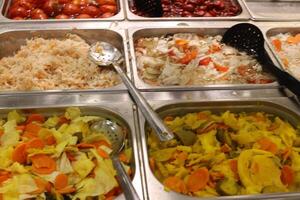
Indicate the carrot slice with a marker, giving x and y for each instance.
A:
(176, 184)
(35, 143)
(67, 190)
(234, 168)
(198, 180)
(50, 140)
(277, 44)
(29, 135)
(4, 177)
(61, 181)
(267, 145)
(102, 153)
(33, 128)
(19, 154)
(100, 143)
(221, 68)
(70, 156)
(63, 120)
(34, 117)
(189, 56)
(168, 119)
(152, 163)
(123, 158)
(43, 164)
(85, 146)
(42, 185)
(20, 128)
(205, 61)
(287, 175)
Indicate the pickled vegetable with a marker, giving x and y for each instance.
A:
(233, 154)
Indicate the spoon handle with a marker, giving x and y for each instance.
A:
(284, 78)
(163, 132)
(128, 189)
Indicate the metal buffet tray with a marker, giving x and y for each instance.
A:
(274, 31)
(272, 10)
(137, 33)
(4, 6)
(117, 107)
(131, 16)
(12, 39)
(282, 107)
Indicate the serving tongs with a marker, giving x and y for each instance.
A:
(248, 38)
(151, 7)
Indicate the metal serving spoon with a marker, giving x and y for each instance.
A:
(104, 54)
(248, 37)
(117, 138)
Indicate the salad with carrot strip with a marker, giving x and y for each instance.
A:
(287, 46)
(57, 157)
(233, 154)
(191, 59)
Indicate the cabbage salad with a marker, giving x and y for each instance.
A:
(57, 157)
(191, 59)
(287, 46)
(234, 154)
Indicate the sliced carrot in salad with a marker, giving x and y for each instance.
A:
(42, 185)
(221, 68)
(123, 158)
(102, 153)
(205, 61)
(67, 190)
(35, 143)
(85, 145)
(61, 181)
(176, 184)
(198, 180)
(287, 175)
(267, 145)
(33, 128)
(34, 117)
(43, 164)
(50, 140)
(101, 143)
(277, 44)
(189, 56)
(19, 154)
(4, 177)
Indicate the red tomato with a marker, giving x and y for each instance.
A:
(108, 8)
(51, 7)
(107, 14)
(71, 9)
(62, 16)
(39, 16)
(24, 3)
(36, 11)
(18, 18)
(17, 11)
(64, 1)
(107, 2)
(83, 16)
(91, 10)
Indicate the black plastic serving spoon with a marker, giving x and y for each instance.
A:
(248, 38)
(152, 7)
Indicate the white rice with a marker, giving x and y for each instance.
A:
(46, 64)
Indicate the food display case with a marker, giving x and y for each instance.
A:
(23, 39)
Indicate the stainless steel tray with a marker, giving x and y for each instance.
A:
(131, 16)
(244, 15)
(117, 107)
(4, 6)
(137, 33)
(273, 10)
(12, 38)
(274, 31)
(282, 107)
